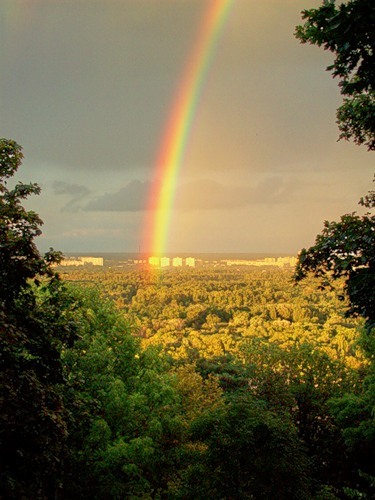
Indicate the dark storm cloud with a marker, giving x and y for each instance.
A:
(75, 192)
(131, 198)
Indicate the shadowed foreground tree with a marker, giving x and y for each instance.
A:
(346, 249)
(246, 451)
(32, 332)
(348, 31)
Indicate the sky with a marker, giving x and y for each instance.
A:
(87, 87)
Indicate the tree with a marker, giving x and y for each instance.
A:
(348, 30)
(245, 451)
(20, 259)
(127, 424)
(32, 331)
(346, 249)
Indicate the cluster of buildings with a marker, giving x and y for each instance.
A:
(178, 262)
(162, 262)
(174, 262)
(82, 261)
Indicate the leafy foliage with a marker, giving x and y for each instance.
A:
(20, 259)
(126, 422)
(345, 249)
(246, 446)
(220, 384)
(348, 30)
(33, 330)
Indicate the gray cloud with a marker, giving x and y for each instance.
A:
(131, 198)
(196, 195)
(75, 192)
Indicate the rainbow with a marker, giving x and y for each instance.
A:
(179, 124)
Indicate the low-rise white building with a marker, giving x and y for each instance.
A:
(177, 262)
(165, 262)
(154, 261)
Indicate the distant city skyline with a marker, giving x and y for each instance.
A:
(176, 261)
(87, 92)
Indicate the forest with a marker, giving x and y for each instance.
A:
(217, 312)
(248, 383)
(195, 383)
(267, 378)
